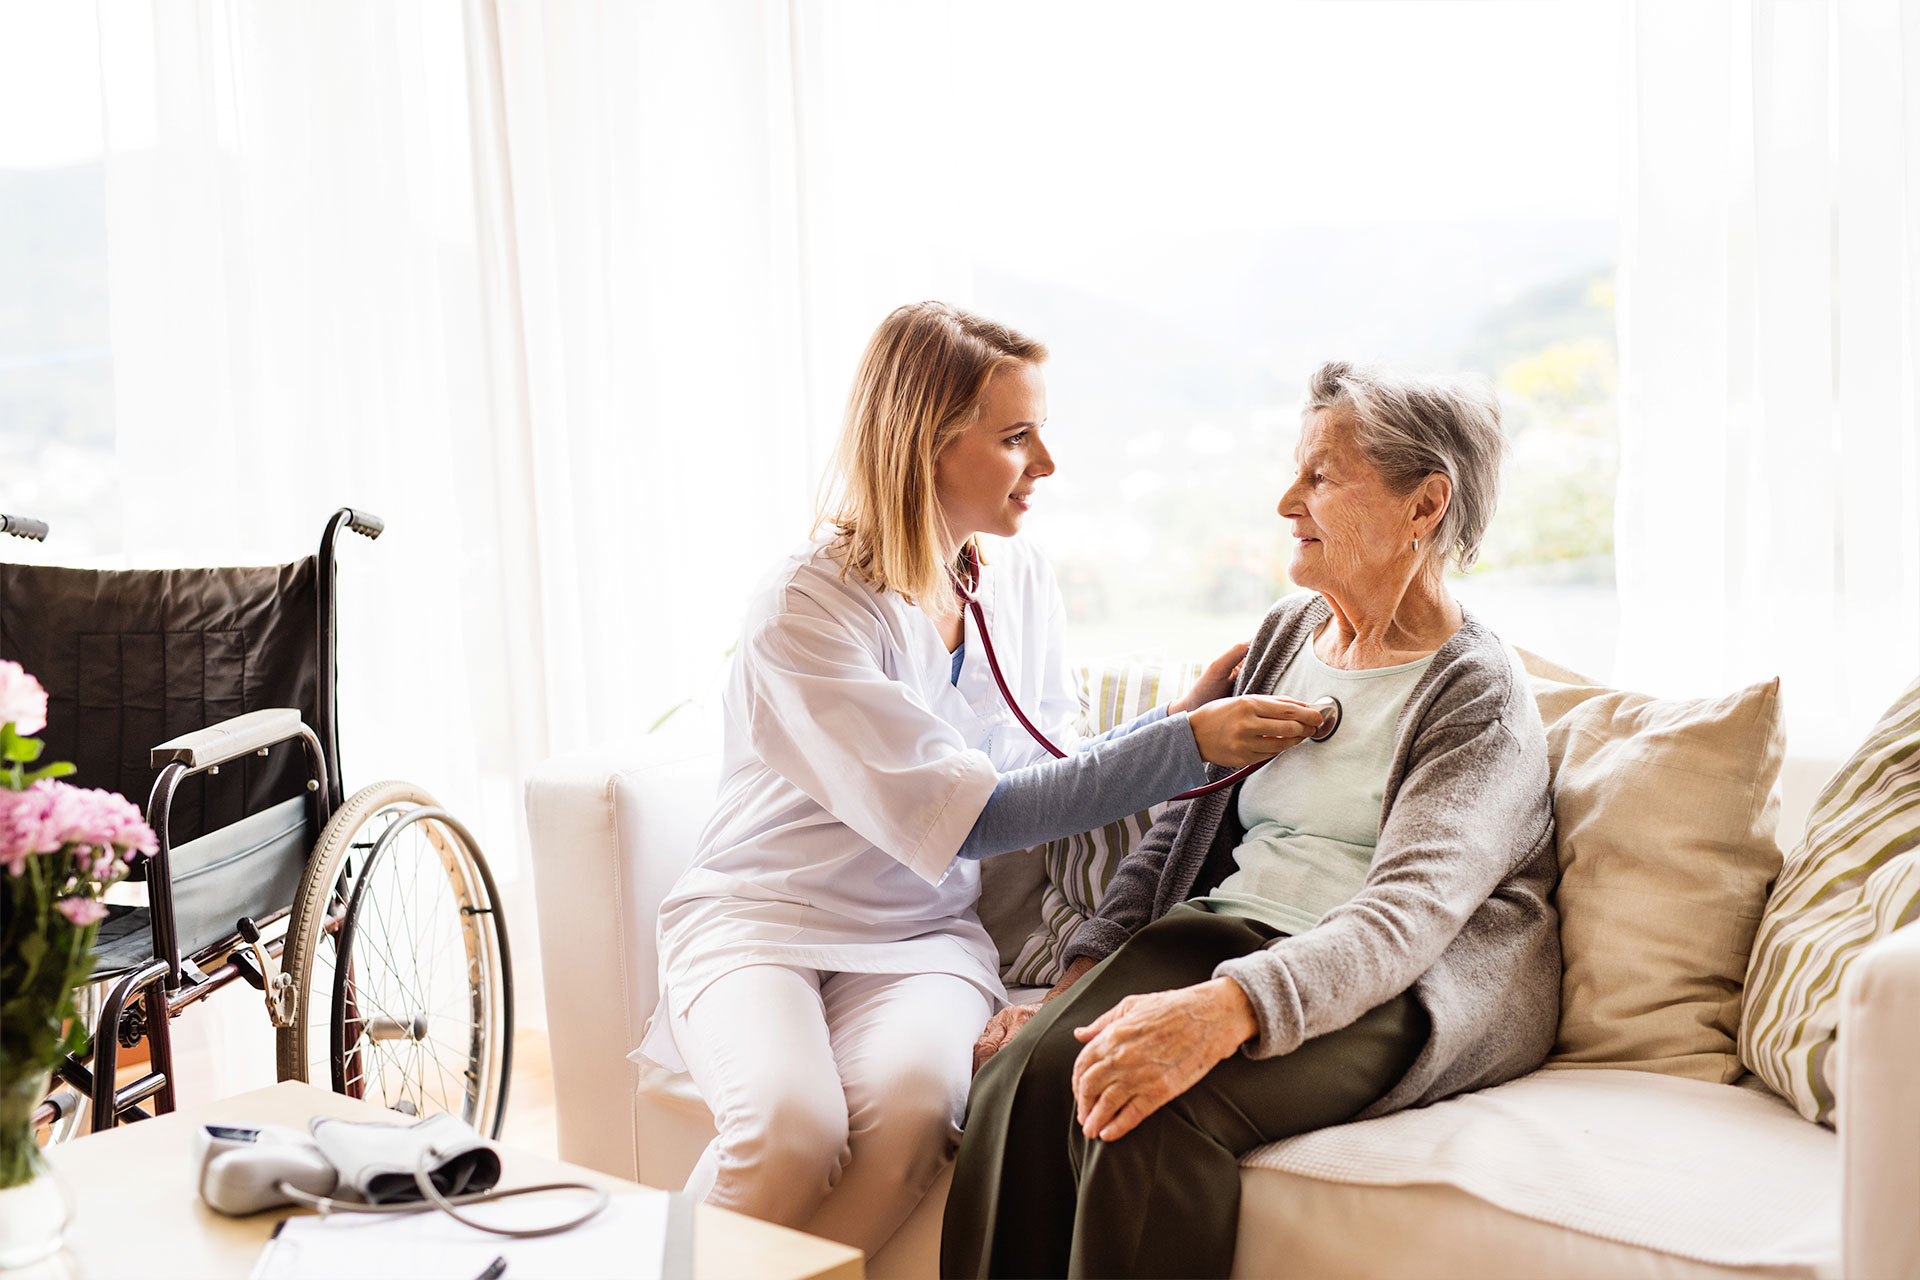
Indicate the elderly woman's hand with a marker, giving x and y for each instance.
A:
(1006, 1024)
(1149, 1049)
(1001, 1027)
(1214, 683)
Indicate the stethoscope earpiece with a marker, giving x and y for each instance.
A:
(1329, 709)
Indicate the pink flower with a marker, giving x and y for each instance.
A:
(82, 911)
(28, 825)
(23, 703)
(49, 816)
(87, 815)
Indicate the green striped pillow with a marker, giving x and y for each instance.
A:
(1078, 867)
(1854, 879)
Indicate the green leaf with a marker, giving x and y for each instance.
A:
(75, 1041)
(17, 749)
(58, 769)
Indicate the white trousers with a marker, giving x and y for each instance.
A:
(838, 1096)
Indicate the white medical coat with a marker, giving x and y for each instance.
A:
(852, 771)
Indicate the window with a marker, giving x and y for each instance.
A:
(1194, 221)
(56, 365)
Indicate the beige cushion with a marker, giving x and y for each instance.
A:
(1666, 813)
(1854, 879)
(1011, 886)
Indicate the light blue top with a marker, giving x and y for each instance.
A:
(1312, 816)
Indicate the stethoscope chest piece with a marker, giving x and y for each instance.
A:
(1329, 709)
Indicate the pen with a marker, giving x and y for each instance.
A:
(495, 1269)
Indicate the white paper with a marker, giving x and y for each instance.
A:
(622, 1242)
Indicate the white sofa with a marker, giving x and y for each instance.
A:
(1566, 1173)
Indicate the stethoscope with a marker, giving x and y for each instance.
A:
(1328, 707)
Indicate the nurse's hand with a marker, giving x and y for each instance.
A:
(1248, 729)
(1215, 682)
(1149, 1049)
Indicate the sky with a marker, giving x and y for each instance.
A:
(1240, 114)
(49, 84)
(1246, 117)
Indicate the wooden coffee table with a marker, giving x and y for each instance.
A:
(138, 1213)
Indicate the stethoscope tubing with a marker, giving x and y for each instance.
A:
(1013, 704)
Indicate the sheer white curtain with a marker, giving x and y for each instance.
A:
(295, 311)
(690, 259)
(1768, 519)
(568, 293)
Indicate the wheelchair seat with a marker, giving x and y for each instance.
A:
(250, 868)
(124, 943)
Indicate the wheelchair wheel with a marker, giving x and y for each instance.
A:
(402, 983)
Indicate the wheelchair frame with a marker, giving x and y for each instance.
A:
(142, 1001)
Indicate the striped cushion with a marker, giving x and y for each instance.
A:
(1078, 867)
(1854, 879)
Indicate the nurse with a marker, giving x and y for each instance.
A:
(824, 972)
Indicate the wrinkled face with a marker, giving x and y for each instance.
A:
(984, 479)
(1351, 531)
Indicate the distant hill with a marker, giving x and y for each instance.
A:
(1573, 308)
(1177, 370)
(1284, 301)
(1208, 344)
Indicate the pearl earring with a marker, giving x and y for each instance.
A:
(1416, 544)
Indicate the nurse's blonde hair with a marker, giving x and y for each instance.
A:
(920, 385)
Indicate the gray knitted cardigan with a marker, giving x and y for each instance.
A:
(1456, 904)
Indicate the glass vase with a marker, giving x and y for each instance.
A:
(35, 1207)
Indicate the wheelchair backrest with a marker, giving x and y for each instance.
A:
(133, 657)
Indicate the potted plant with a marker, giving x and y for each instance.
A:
(60, 848)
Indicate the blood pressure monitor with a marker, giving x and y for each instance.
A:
(241, 1170)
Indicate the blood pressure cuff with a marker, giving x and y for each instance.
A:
(378, 1160)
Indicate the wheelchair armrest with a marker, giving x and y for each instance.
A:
(230, 739)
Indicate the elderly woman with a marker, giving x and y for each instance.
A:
(1360, 926)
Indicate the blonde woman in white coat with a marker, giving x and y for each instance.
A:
(824, 972)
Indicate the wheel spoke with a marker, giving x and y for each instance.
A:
(414, 954)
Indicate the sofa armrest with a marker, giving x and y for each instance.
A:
(610, 832)
(1879, 1109)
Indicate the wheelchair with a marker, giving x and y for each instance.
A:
(370, 923)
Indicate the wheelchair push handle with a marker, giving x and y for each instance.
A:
(24, 527)
(365, 523)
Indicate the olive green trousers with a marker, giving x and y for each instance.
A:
(1033, 1196)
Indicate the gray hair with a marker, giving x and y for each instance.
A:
(1411, 427)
